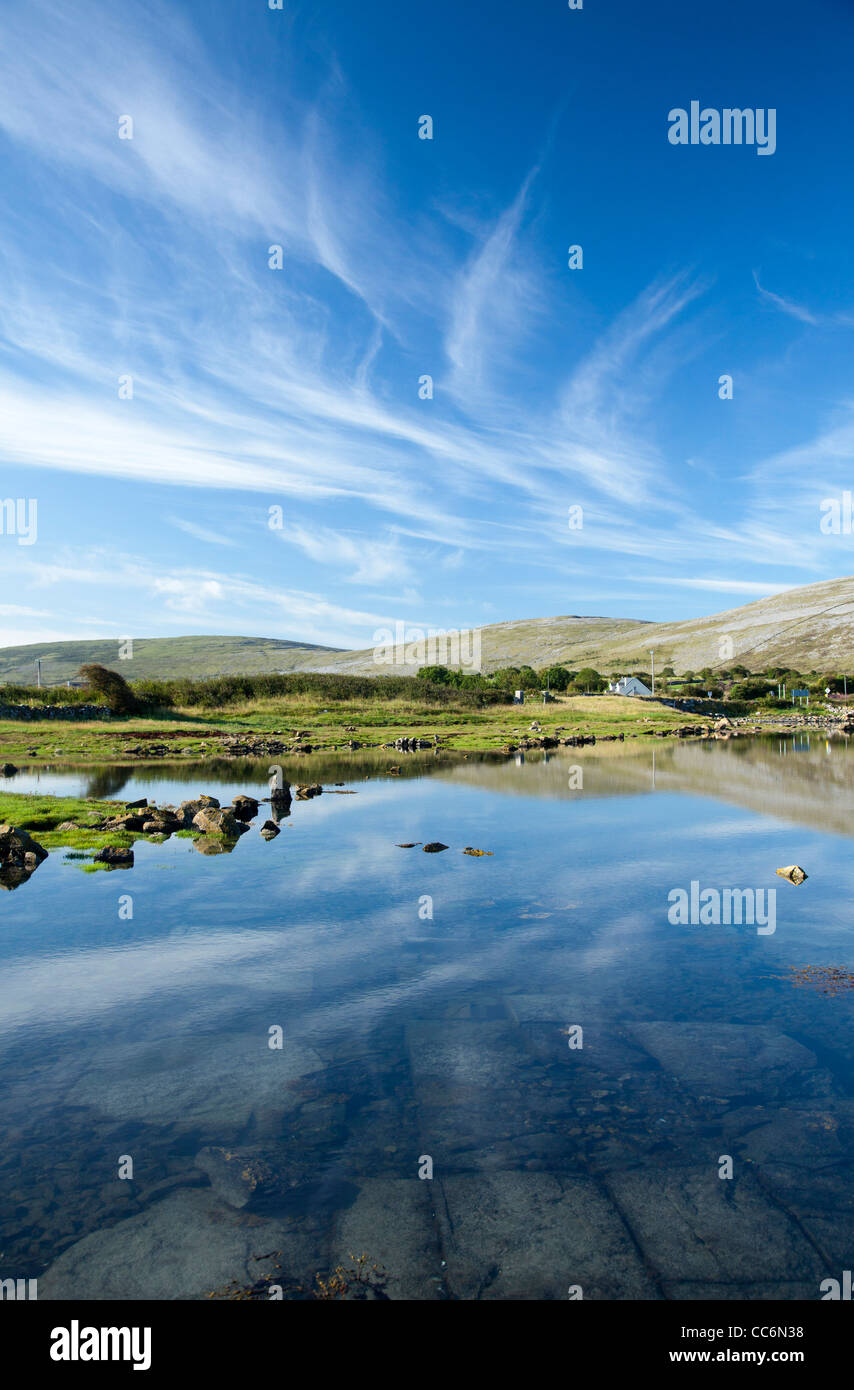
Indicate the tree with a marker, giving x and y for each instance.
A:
(750, 690)
(439, 675)
(114, 688)
(668, 673)
(555, 677)
(588, 679)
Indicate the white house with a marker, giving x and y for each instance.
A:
(629, 685)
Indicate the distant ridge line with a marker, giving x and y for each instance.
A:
(807, 628)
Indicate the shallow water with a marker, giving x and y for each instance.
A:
(408, 1036)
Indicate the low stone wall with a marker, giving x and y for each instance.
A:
(697, 704)
(33, 712)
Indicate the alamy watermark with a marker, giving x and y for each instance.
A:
(837, 515)
(76, 1343)
(730, 126)
(436, 647)
(20, 1289)
(19, 517)
(715, 907)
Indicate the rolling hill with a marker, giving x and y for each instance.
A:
(159, 657)
(810, 628)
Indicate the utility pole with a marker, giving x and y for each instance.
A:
(39, 672)
(652, 654)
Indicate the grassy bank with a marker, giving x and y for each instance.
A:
(299, 721)
(43, 815)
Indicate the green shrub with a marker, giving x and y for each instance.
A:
(111, 687)
(221, 691)
(750, 690)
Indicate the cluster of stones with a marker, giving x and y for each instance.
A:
(833, 722)
(31, 712)
(692, 731)
(20, 856)
(550, 741)
(250, 746)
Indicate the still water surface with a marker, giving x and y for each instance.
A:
(424, 1002)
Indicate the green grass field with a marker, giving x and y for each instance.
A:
(42, 815)
(189, 734)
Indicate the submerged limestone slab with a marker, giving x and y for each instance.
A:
(533, 1236)
(822, 1201)
(561, 1009)
(180, 1248)
(218, 1085)
(456, 1061)
(694, 1226)
(748, 1293)
(728, 1058)
(391, 1222)
(801, 1135)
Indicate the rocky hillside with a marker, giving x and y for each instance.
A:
(810, 628)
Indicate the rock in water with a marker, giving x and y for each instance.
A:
(236, 1175)
(113, 854)
(213, 844)
(188, 809)
(161, 823)
(793, 872)
(16, 844)
(269, 830)
(434, 847)
(478, 853)
(20, 856)
(213, 821)
(244, 807)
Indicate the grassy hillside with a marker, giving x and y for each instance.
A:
(537, 641)
(160, 657)
(809, 628)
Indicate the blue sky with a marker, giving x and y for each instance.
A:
(299, 388)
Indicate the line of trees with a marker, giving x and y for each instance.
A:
(109, 688)
(433, 685)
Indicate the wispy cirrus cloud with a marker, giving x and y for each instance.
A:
(201, 533)
(801, 312)
(720, 586)
(299, 386)
(367, 560)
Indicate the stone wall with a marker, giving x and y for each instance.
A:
(32, 712)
